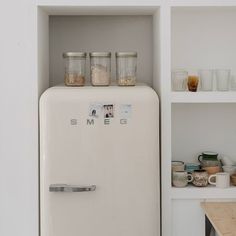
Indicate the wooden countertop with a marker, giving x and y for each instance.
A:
(222, 216)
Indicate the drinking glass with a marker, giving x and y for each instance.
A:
(179, 80)
(222, 80)
(193, 83)
(233, 83)
(206, 79)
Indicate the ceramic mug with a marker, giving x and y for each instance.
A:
(200, 178)
(181, 179)
(208, 156)
(222, 180)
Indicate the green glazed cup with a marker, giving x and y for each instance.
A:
(208, 156)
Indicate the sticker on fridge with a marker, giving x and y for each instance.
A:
(95, 110)
(108, 110)
(125, 111)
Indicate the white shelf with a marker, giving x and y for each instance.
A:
(95, 3)
(203, 97)
(209, 192)
(202, 3)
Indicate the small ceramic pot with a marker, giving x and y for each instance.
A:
(181, 179)
(200, 178)
(177, 166)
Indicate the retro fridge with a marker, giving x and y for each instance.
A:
(99, 161)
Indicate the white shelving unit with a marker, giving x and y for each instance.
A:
(210, 192)
(201, 37)
(203, 97)
(184, 34)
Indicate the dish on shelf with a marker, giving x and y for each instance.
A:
(212, 169)
(233, 179)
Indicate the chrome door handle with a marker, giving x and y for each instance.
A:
(70, 188)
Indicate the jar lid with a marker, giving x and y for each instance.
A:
(100, 54)
(126, 54)
(74, 54)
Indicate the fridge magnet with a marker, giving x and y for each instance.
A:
(95, 110)
(125, 111)
(108, 111)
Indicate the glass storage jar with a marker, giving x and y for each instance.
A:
(75, 68)
(126, 68)
(100, 68)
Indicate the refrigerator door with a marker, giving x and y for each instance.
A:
(99, 162)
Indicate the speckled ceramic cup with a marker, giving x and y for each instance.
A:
(181, 179)
(200, 178)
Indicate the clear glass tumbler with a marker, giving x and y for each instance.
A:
(206, 79)
(179, 80)
(233, 83)
(222, 80)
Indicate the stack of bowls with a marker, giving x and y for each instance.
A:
(229, 167)
(212, 167)
(210, 162)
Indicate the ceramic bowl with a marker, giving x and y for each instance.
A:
(190, 167)
(227, 161)
(210, 163)
(211, 170)
(229, 169)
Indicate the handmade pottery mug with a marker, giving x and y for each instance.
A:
(181, 179)
(208, 156)
(222, 180)
(200, 178)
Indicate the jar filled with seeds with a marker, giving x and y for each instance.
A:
(75, 68)
(126, 68)
(100, 68)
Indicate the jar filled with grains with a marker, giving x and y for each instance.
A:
(126, 68)
(75, 68)
(100, 68)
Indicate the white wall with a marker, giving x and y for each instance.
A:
(187, 218)
(18, 119)
(203, 127)
(202, 38)
(19, 91)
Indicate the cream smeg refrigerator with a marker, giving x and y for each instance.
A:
(99, 161)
